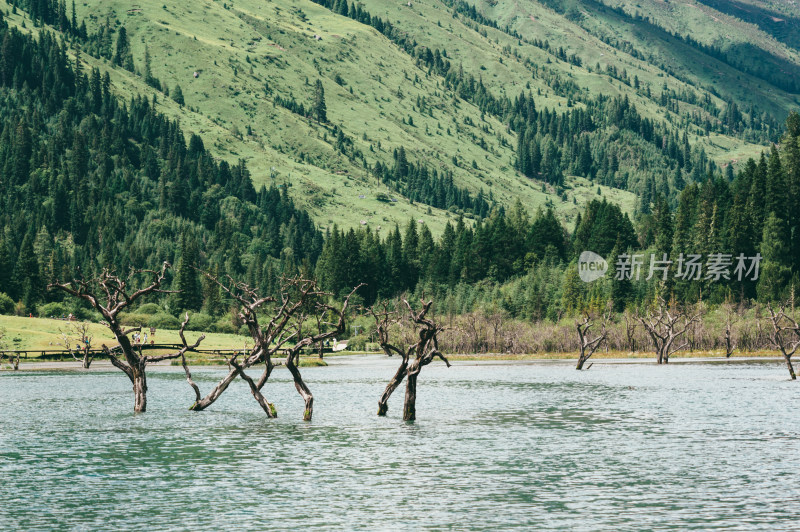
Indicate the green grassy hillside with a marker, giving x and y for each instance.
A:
(251, 55)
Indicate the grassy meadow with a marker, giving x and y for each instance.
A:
(43, 334)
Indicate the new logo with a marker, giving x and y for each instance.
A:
(591, 266)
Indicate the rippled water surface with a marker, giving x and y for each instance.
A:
(617, 447)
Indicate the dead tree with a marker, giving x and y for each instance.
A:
(110, 294)
(424, 351)
(630, 330)
(731, 317)
(665, 325)
(77, 339)
(299, 298)
(383, 322)
(588, 345)
(785, 335)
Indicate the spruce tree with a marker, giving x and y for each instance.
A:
(775, 274)
(190, 295)
(320, 110)
(6, 267)
(122, 49)
(621, 289)
(776, 185)
(572, 291)
(177, 95)
(28, 285)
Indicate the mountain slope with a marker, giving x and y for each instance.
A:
(256, 61)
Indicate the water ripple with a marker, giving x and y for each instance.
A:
(544, 447)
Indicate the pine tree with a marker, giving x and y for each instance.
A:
(177, 95)
(585, 157)
(6, 267)
(790, 157)
(123, 48)
(535, 159)
(22, 151)
(28, 284)
(190, 295)
(149, 78)
(410, 258)
(775, 273)
(572, 292)
(662, 218)
(320, 110)
(776, 185)
(621, 289)
(677, 180)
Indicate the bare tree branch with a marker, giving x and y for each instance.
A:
(785, 335)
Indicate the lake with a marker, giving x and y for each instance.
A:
(618, 447)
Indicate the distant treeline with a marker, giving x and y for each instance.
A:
(527, 267)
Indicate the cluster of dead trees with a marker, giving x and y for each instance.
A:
(284, 333)
(665, 327)
(668, 325)
(300, 317)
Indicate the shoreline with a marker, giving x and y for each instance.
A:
(566, 359)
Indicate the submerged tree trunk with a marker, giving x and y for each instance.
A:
(301, 386)
(87, 359)
(665, 325)
(791, 368)
(785, 335)
(587, 344)
(286, 323)
(119, 295)
(425, 350)
(139, 389)
(728, 342)
(201, 403)
(410, 406)
(582, 358)
(383, 402)
(255, 389)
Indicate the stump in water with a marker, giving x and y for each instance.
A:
(117, 296)
(424, 351)
(300, 298)
(785, 335)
